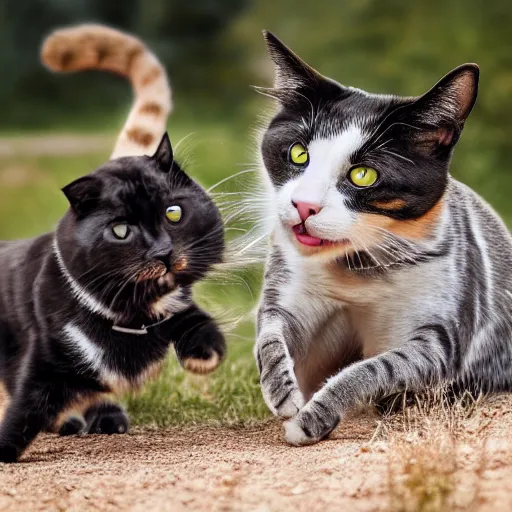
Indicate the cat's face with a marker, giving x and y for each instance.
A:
(139, 229)
(350, 168)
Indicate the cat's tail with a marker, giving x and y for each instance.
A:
(99, 47)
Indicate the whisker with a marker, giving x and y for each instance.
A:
(397, 155)
(230, 178)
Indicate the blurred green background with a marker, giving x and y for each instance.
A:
(57, 127)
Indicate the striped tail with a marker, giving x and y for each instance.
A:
(99, 47)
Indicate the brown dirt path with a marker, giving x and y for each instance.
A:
(218, 469)
(191, 469)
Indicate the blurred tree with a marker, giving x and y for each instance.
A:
(185, 36)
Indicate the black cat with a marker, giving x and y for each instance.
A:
(92, 308)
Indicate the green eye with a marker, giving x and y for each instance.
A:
(363, 176)
(121, 231)
(298, 155)
(173, 213)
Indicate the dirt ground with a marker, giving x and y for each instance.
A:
(221, 469)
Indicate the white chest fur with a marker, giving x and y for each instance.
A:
(381, 311)
(93, 357)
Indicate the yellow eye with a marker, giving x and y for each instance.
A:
(121, 231)
(173, 213)
(363, 176)
(298, 155)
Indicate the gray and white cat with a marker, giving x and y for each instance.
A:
(385, 274)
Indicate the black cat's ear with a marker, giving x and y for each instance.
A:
(291, 72)
(447, 105)
(163, 154)
(83, 193)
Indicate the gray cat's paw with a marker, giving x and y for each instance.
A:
(292, 405)
(311, 425)
(295, 435)
(284, 398)
(277, 378)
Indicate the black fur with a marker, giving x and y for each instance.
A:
(41, 363)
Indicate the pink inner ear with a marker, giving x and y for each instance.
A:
(445, 136)
(465, 89)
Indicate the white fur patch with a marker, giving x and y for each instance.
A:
(169, 304)
(93, 357)
(92, 354)
(294, 434)
(80, 293)
(329, 161)
(477, 230)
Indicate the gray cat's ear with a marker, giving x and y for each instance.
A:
(451, 100)
(163, 154)
(83, 193)
(291, 72)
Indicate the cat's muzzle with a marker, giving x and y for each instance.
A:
(151, 271)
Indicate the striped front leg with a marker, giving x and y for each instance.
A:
(422, 361)
(277, 377)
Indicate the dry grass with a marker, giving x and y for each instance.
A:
(432, 464)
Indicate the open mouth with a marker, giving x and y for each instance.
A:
(303, 237)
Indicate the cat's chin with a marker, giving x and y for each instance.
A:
(323, 252)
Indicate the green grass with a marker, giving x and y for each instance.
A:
(230, 396)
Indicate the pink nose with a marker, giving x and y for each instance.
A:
(306, 209)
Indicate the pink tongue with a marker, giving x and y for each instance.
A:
(304, 238)
(309, 240)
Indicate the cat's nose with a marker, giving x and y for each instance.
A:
(306, 209)
(160, 253)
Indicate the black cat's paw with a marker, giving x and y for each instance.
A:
(204, 353)
(73, 426)
(107, 418)
(202, 366)
(9, 453)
